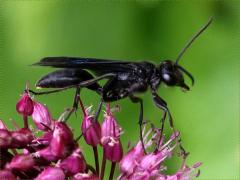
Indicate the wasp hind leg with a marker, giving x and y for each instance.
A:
(160, 103)
(48, 92)
(76, 100)
(135, 99)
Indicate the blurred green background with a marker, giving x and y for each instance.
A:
(207, 116)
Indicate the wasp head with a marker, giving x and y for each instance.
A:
(172, 74)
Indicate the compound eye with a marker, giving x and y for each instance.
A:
(166, 77)
(169, 79)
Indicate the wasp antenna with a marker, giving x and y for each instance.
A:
(187, 73)
(193, 39)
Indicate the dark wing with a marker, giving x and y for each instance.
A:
(96, 65)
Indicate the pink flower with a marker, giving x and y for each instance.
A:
(25, 105)
(41, 117)
(51, 173)
(21, 138)
(85, 176)
(110, 127)
(110, 140)
(113, 150)
(149, 165)
(91, 129)
(136, 165)
(55, 154)
(62, 142)
(42, 141)
(58, 144)
(132, 159)
(5, 138)
(21, 162)
(7, 175)
(46, 154)
(74, 163)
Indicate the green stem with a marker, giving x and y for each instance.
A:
(96, 159)
(103, 167)
(112, 170)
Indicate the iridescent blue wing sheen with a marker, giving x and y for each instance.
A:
(99, 66)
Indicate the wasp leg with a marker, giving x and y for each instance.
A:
(103, 94)
(75, 103)
(135, 99)
(160, 103)
(98, 110)
(47, 92)
(110, 77)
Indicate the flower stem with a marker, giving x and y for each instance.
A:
(103, 167)
(25, 119)
(96, 159)
(108, 108)
(112, 170)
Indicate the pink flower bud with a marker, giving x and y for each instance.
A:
(41, 116)
(62, 129)
(113, 150)
(5, 138)
(85, 176)
(62, 142)
(74, 163)
(110, 140)
(51, 173)
(91, 129)
(25, 105)
(7, 175)
(110, 126)
(46, 154)
(43, 141)
(21, 138)
(21, 162)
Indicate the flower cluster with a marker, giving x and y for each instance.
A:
(56, 154)
(136, 165)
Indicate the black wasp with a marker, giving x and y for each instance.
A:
(124, 78)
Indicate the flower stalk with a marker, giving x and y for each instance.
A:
(104, 160)
(25, 120)
(113, 166)
(95, 151)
